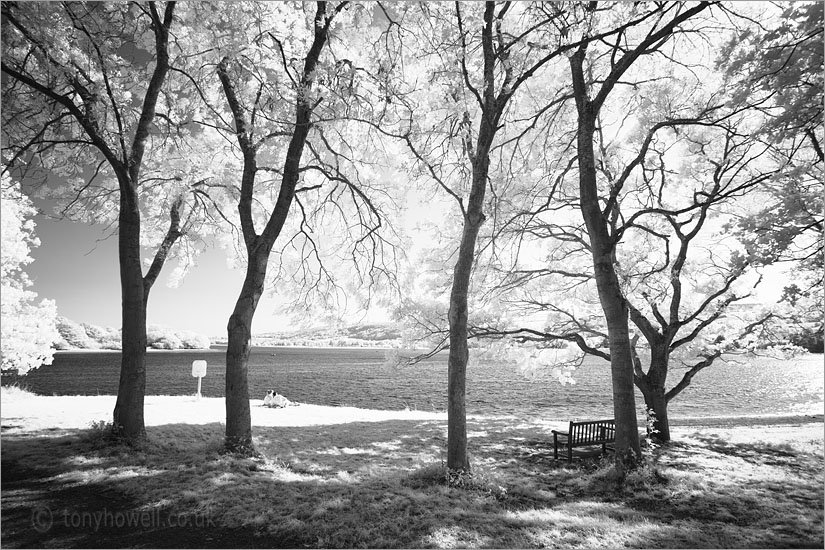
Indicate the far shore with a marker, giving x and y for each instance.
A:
(222, 347)
(148, 350)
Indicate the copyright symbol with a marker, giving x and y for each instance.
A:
(42, 519)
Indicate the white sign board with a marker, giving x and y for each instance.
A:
(198, 369)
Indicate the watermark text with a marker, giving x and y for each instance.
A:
(44, 519)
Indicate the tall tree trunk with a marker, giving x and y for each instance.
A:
(239, 332)
(610, 295)
(258, 247)
(128, 414)
(621, 374)
(457, 456)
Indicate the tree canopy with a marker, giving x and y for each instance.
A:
(28, 327)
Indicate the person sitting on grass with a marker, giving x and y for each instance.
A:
(276, 400)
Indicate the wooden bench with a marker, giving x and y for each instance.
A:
(584, 434)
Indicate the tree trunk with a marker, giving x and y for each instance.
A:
(628, 449)
(128, 422)
(610, 295)
(128, 414)
(457, 456)
(239, 332)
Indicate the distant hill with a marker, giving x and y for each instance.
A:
(369, 335)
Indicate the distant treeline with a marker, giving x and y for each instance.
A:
(75, 335)
(375, 335)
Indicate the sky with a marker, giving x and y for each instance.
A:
(77, 266)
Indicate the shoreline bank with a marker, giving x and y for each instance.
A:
(754, 420)
(21, 408)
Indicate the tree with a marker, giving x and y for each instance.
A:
(286, 82)
(481, 57)
(599, 220)
(259, 246)
(28, 328)
(74, 74)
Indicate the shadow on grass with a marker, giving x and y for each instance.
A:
(762, 452)
(60, 491)
(380, 484)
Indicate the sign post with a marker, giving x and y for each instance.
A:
(199, 371)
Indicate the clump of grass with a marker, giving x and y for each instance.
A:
(479, 480)
(101, 426)
(100, 434)
(647, 476)
(242, 451)
(595, 477)
(430, 475)
(600, 477)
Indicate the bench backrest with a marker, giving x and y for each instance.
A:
(582, 432)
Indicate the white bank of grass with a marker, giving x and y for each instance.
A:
(78, 412)
(347, 477)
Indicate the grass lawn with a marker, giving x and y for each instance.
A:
(341, 477)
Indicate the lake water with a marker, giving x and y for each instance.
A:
(357, 377)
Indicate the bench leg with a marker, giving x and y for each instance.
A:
(555, 447)
(569, 452)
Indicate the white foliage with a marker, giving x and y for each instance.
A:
(27, 328)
